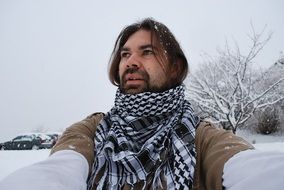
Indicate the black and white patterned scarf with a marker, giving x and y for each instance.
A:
(146, 139)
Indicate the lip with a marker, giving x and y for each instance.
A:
(133, 77)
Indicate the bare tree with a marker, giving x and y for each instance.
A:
(224, 87)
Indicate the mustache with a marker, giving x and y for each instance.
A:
(144, 74)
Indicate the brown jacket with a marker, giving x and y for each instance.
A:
(214, 146)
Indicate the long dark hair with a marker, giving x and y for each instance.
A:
(168, 43)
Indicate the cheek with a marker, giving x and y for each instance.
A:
(156, 75)
(121, 69)
(156, 71)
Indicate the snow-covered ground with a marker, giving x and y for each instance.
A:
(10, 160)
(264, 142)
(13, 160)
(259, 138)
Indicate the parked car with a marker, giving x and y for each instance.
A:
(45, 140)
(54, 137)
(22, 142)
(28, 141)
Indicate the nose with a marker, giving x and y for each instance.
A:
(133, 61)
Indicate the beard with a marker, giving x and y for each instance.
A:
(143, 86)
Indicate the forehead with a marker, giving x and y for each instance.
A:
(140, 37)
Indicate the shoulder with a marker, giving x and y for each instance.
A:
(209, 134)
(93, 119)
(90, 123)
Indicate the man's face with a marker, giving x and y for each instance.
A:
(139, 68)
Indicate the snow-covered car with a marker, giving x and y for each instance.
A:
(54, 137)
(45, 140)
(28, 141)
(22, 142)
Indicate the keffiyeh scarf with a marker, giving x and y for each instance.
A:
(146, 140)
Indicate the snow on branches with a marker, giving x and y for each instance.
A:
(227, 90)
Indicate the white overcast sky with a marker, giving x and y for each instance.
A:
(54, 53)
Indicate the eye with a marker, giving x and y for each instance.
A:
(124, 54)
(148, 52)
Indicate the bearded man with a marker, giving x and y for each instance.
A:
(151, 138)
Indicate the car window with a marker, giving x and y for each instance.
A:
(23, 138)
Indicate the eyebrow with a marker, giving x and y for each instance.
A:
(147, 46)
(140, 47)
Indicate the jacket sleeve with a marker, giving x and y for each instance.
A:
(79, 137)
(214, 147)
(64, 170)
(255, 170)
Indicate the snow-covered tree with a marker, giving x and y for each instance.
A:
(224, 88)
(268, 120)
(271, 75)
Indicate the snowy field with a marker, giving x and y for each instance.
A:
(11, 160)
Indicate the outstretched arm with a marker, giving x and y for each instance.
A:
(64, 170)
(80, 138)
(214, 147)
(255, 170)
(68, 166)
